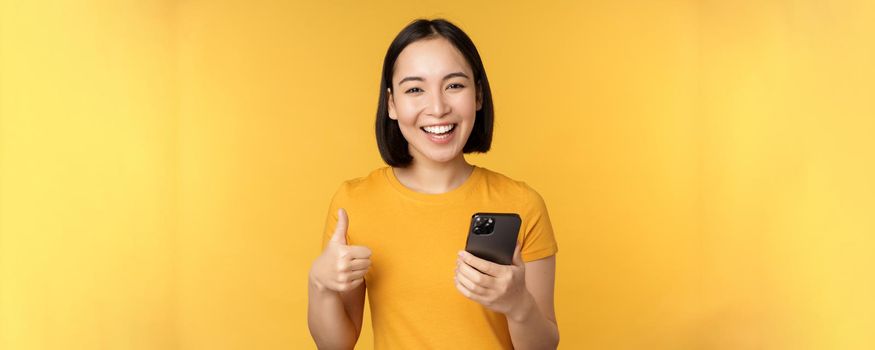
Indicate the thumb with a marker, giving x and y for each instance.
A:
(517, 254)
(340, 229)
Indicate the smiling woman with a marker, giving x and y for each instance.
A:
(437, 72)
(399, 231)
(431, 104)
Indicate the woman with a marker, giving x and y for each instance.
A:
(400, 231)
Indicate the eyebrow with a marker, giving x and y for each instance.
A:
(451, 75)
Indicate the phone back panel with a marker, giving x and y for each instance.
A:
(497, 246)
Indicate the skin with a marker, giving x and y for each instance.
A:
(432, 84)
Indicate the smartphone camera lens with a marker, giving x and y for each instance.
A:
(483, 227)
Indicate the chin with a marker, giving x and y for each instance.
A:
(441, 157)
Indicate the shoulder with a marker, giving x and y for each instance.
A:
(356, 186)
(511, 188)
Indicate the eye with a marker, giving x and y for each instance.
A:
(457, 84)
(412, 90)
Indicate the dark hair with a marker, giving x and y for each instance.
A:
(393, 147)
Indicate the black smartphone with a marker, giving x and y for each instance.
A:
(493, 236)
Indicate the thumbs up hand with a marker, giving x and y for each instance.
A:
(341, 267)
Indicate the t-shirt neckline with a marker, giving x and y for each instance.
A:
(449, 196)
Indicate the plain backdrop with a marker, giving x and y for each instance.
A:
(166, 166)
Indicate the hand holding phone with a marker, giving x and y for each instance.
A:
(491, 271)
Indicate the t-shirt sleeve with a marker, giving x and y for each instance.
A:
(337, 201)
(538, 239)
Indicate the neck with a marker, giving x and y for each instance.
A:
(434, 177)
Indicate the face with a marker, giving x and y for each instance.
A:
(434, 99)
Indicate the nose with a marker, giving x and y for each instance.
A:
(438, 105)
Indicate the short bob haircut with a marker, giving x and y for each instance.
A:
(393, 147)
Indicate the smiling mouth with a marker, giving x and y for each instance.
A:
(440, 129)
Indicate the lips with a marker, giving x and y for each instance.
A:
(439, 129)
(440, 134)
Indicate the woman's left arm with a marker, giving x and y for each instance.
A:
(522, 291)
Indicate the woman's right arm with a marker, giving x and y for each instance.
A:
(337, 291)
(335, 318)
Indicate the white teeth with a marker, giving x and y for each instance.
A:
(439, 129)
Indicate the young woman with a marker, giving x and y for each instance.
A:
(400, 232)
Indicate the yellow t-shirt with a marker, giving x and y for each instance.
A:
(414, 238)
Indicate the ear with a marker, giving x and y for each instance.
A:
(391, 103)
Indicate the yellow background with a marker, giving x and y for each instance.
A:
(709, 166)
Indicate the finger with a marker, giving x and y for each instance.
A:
(347, 277)
(481, 265)
(517, 254)
(357, 282)
(475, 276)
(359, 264)
(345, 287)
(470, 285)
(467, 293)
(341, 227)
(358, 252)
(345, 264)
